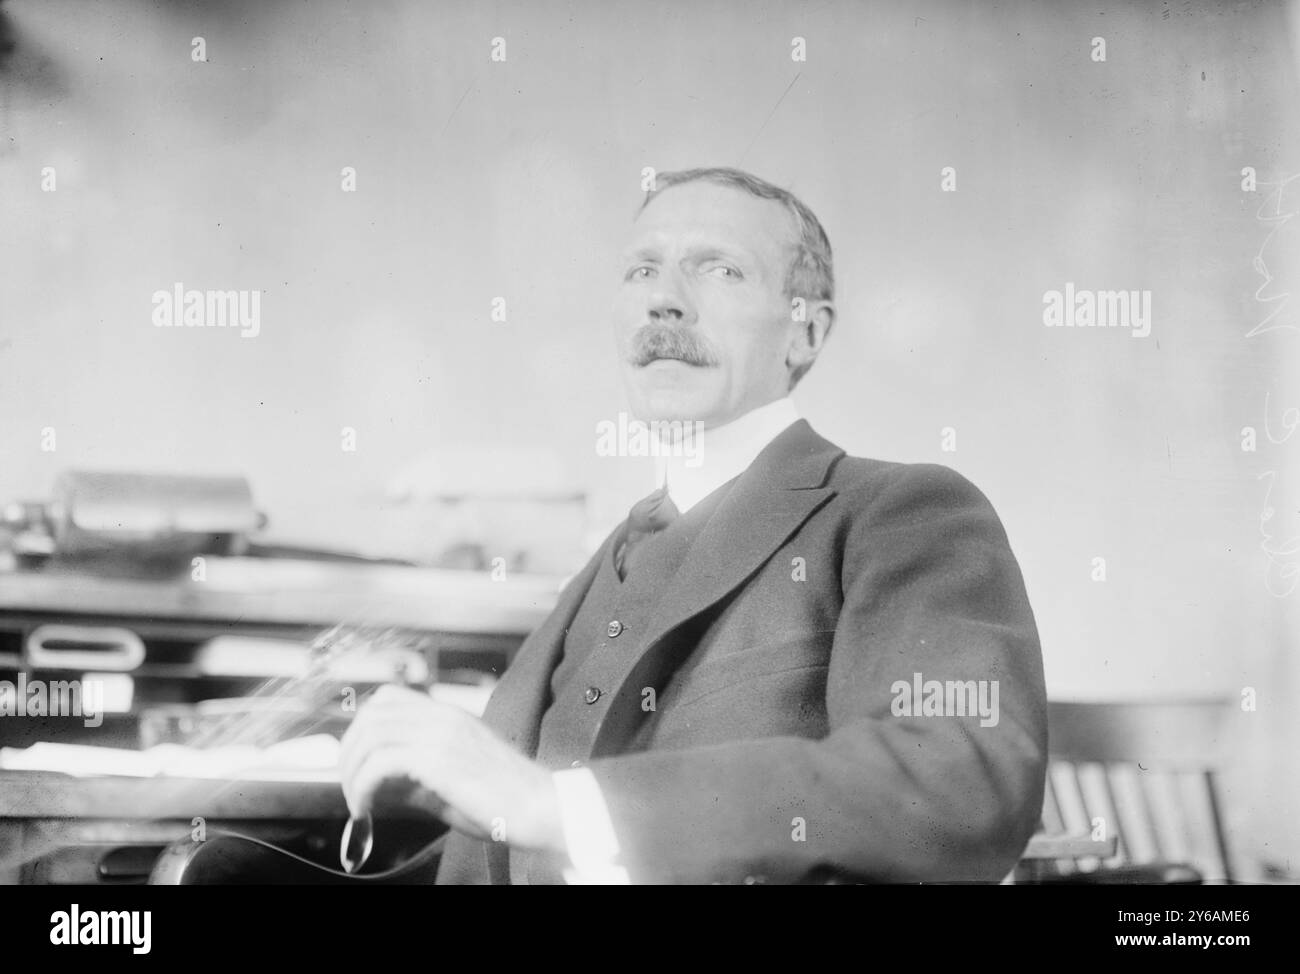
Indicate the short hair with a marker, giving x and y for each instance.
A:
(811, 274)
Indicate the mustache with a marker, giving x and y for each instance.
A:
(656, 341)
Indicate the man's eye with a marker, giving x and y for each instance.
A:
(641, 272)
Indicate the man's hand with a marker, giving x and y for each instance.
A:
(404, 748)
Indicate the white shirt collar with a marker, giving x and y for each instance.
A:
(723, 452)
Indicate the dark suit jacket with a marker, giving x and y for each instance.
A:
(819, 582)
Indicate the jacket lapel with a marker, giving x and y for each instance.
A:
(767, 504)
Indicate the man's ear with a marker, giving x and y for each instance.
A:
(807, 336)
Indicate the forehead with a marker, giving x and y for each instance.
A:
(703, 213)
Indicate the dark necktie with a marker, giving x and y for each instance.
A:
(648, 516)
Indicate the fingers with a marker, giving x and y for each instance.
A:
(387, 704)
(376, 735)
(377, 770)
(440, 757)
(397, 735)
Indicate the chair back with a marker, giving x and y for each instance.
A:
(1144, 772)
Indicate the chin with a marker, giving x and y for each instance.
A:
(674, 393)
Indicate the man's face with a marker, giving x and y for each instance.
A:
(703, 322)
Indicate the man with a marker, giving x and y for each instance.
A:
(789, 665)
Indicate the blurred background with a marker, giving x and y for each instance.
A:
(478, 179)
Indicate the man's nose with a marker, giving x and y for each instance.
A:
(669, 302)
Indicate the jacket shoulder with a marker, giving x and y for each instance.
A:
(865, 480)
(877, 495)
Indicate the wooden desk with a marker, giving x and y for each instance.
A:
(47, 795)
(286, 592)
(458, 622)
(58, 828)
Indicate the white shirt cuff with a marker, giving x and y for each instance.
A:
(588, 831)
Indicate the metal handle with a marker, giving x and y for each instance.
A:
(57, 647)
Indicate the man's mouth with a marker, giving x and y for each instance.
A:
(645, 360)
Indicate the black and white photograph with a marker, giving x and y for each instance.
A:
(619, 443)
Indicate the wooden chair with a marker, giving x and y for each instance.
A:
(1143, 776)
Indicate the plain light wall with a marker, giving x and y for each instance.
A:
(517, 179)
